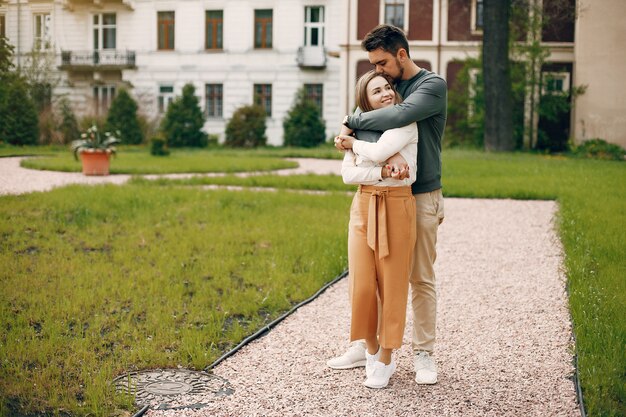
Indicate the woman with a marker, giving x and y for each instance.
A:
(381, 232)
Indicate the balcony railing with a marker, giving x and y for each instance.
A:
(105, 59)
(311, 57)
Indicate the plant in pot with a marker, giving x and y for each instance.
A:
(95, 150)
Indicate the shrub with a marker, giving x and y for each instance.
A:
(49, 133)
(19, 124)
(159, 147)
(87, 121)
(183, 122)
(599, 149)
(122, 118)
(247, 127)
(68, 125)
(213, 140)
(303, 125)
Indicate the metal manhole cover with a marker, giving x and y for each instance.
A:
(178, 388)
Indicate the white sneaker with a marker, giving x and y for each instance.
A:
(380, 375)
(352, 358)
(370, 360)
(425, 369)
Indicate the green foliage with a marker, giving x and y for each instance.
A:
(6, 56)
(68, 125)
(183, 122)
(93, 140)
(599, 149)
(466, 106)
(465, 126)
(213, 140)
(39, 70)
(247, 127)
(158, 147)
(18, 117)
(89, 120)
(303, 126)
(527, 58)
(122, 117)
(49, 128)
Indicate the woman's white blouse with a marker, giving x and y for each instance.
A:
(362, 165)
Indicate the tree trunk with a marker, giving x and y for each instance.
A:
(496, 76)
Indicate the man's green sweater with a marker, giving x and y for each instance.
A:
(425, 102)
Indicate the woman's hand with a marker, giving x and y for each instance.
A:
(399, 169)
(344, 142)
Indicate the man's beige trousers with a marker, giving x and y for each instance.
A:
(381, 239)
(429, 215)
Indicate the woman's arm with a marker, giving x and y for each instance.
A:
(353, 174)
(390, 143)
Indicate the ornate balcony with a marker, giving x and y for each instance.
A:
(313, 57)
(71, 4)
(97, 60)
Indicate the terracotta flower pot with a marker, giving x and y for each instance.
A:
(95, 162)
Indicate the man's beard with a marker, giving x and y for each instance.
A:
(400, 71)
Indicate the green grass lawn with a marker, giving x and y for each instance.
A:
(98, 281)
(181, 161)
(176, 275)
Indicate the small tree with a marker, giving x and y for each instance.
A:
(68, 126)
(247, 127)
(6, 54)
(303, 125)
(19, 124)
(183, 121)
(122, 117)
(39, 71)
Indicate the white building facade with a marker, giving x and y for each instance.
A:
(234, 52)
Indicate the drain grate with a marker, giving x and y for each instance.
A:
(173, 388)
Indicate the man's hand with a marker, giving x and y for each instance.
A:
(344, 142)
(398, 167)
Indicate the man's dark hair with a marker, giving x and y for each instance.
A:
(386, 37)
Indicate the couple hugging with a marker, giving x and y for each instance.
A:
(396, 212)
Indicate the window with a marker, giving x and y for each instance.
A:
(263, 97)
(104, 31)
(214, 100)
(3, 28)
(166, 96)
(41, 35)
(166, 31)
(394, 13)
(477, 16)
(214, 29)
(315, 93)
(314, 26)
(263, 29)
(555, 82)
(103, 96)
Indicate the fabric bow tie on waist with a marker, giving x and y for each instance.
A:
(377, 223)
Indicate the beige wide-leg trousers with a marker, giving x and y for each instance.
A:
(381, 241)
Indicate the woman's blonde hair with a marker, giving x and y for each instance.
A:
(361, 90)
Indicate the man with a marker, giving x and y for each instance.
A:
(425, 102)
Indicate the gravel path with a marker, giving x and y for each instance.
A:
(504, 337)
(503, 325)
